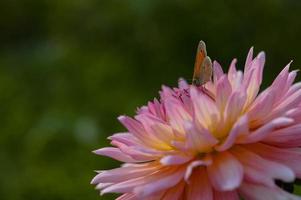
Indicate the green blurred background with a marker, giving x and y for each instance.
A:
(68, 68)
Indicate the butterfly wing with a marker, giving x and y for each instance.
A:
(200, 56)
(206, 72)
(202, 66)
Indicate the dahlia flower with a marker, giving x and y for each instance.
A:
(223, 140)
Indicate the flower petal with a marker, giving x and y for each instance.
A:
(235, 106)
(261, 107)
(174, 159)
(286, 137)
(199, 186)
(175, 193)
(124, 173)
(204, 162)
(176, 114)
(259, 192)
(265, 130)
(261, 170)
(135, 152)
(162, 182)
(205, 110)
(279, 83)
(230, 195)
(217, 71)
(223, 91)
(226, 172)
(127, 196)
(183, 85)
(198, 138)
(114, 153)
(290, 157)
(249, 60)
(240, 128)
(254, 77)
(289, 103)
(136, 128)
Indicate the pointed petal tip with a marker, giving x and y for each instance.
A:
(183, 84)
(94, 181)
(261, 55)
(95, 151)
(215, 62)
(250, 53)
(121, 117)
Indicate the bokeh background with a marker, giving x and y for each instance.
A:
(68, 68)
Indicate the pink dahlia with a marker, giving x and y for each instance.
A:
(219, 141)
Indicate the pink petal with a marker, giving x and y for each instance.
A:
(183, 84)
(266, 129)
(226, 172)
(290, 157)
(240, 128)
(199, 186)
(162, 132)
(156, 109)
(127, 196)
(289, 103)
(158, 195)
(174, 159)
(259, 192)
(235, 77)
(293, 89)
(261, 170)
(163, 182)
(205, 162)
(124, 187)
(249, 60)
(180, 145)
(198, 139)
(279, 83)
(205, 110)
(136, 129)
(232, 68)
(125, 138)
(101, 186)
(290, 80)
(294, 113)
(124, 173)
(235, 106)
(231, 195)
(217, 71)
(135, 152)
(166, 93)
(286, 137)
(159, 133)
(114, 153)
(175, 193)
(255, 77)
(260, 61)
(261, 107)
(176, 114)
(223, 91)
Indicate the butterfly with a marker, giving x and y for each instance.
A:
(202, 66)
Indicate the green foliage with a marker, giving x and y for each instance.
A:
(68, 68)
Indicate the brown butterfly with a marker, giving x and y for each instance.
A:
(202, 66)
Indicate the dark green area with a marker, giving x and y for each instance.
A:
(68, 68)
